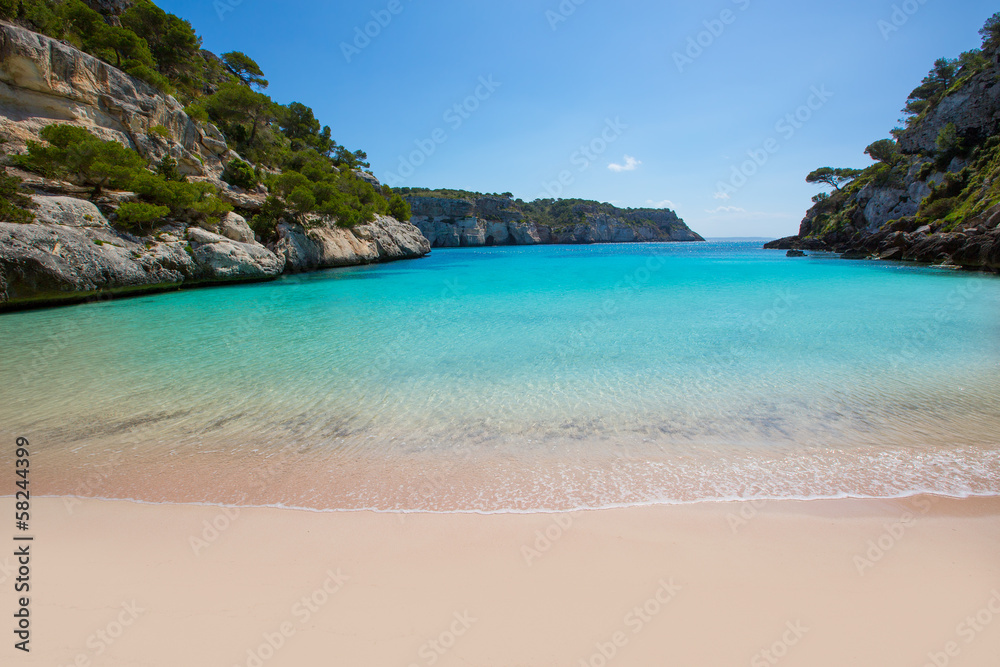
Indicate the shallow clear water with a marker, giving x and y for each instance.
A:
(521, 379)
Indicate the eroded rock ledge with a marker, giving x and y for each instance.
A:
(975, 246)
(72, 254)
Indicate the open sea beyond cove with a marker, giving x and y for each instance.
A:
(520, 379)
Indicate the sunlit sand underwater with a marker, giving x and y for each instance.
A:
(521, 379)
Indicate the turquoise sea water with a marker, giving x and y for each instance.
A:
(527, 378)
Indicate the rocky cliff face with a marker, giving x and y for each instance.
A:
(323, 245)
(72, 253)
(924, 205)
(43, 81)
(489, 221)
(974, 110)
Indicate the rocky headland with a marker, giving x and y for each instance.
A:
(72, 252)
(230, 186)
(456, 219)
(933, 195)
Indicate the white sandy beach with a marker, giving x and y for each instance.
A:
(823, 583)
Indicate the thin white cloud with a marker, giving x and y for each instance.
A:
(666, 203)
(721, 195)
(726, 209)
(631, 164)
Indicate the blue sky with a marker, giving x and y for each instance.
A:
(603, 100)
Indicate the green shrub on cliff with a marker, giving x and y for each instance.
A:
(8, 9)
(883, 150)
(245, 117)
(302, 200)
(182, 199)
(240, 174)
(74, 153)
(167, 168)
(265, 223)
(14, 206)
(196, 111)
(399, 208)
(137, 216)
(948, 142)
(321, 188)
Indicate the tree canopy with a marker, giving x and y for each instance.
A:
(76, 154)
(244, 68)
(883, 150)
(833, 177)
(990, 33)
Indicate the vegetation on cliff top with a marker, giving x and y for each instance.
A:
(305, 170)
(73, 153)
(552, 213)
(957, 196)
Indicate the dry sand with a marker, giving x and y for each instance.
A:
(825, 583)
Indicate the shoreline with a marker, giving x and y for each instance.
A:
(710, 583)
(652, 504)
(125, 292)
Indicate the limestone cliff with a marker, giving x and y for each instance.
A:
(323, 245)
(484, 220)
(44, 81)
(72, 252)
(936, 198)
